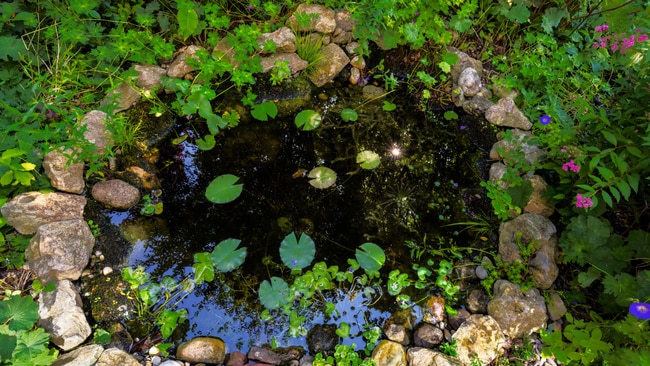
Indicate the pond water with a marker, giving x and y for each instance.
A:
(429, 170)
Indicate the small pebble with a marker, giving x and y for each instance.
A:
(156, 360)
(107, 270)
(101, 258)
(481, 272)
(154, 351)
(322, 96)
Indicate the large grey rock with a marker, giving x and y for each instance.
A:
(427, 335)
(521, 140)
(60, 250)
(476, 106)
(121, 98)
(64, 174)
(464, 61)
(95, 130)
(295, 62)
(322, 338)
(114, 357)
(419, 356)
(389, 353)
(82, 356)
(518, 314)
(29, 210)
(322, 22)
(470, 82)
(149, 76)
(479, 337)
(477, 301)
(60, 313)
(332, 59)
(202, 349)
(538, 203)
(542, 233)
(284, 39)
(506, 114)
(179, 67)
(116, 193)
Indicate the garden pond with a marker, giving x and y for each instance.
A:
(428, 177)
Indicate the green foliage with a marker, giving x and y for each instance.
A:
(154, 300)
(368, 159)
(225, 257)
(297, 253)
(449, 348)
(264, 110)
(322, 177)
(223, 189)
(308, 120)
(21, 342)
(344, 356)
(349, 115)
(371, 258)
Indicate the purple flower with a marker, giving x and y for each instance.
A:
(294, 262)
(570, 166)
(640, 310)
(455, 184)
(250, 7)
(463, 127)
(545, 119)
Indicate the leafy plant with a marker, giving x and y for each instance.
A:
(344, 356)
(371, 258)
(225, 257)
(154, 300)
(349, 115)
(308, 120)
(21, 342)
(368, 159)
(322, 177)
(223, 189)
(264, 110)
(297, 253)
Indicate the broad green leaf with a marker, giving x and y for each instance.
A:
(20, 311)
(7, 178)
(519, 14)
(585, 279)
(552, 18)
(223, 189)
(322, 177)
(11, 48)
(609, 137)
(264, 110)
(274, 294)
(7, 346)
(206, 143)
(308, 120)
(639, 241)
(349, 115)
(633, 181)
(370, 257)
(607, 198)
(188, 22)
(606, 173)
(615, 193)
(297, 253)
(343, 330)
(28, 166)
(32, 344)
(368, 159)
(388, 106)
(226, 257)
(450, 116)
(203, 268)
(624, 188)
(12, 153)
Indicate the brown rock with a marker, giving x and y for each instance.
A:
(202, 349)
(116, 193)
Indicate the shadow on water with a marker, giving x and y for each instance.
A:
(426, 165)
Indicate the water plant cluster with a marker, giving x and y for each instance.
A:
(580, 68)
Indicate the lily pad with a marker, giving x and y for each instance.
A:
(274, 294)
(308, 119)
(223, 189)
(297, 253)
(371, 257)
(368, 159)
(206, 143)
(264, 110)
(349, 115)
(322, 177)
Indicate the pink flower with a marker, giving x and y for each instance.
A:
(602, 28)
(642, 37)
(570, 166)
(583, 202)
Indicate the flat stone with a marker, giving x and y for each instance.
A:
(324, 21)
(114, 357)
(83, 356)
(419, 356)
(479, 337)
(64, 174)
(389, 353)
(29, 210)
(202, 349)
(116, 193)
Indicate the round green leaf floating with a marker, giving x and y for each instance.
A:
(274, 294)
(322, 177)
(223, 189)
(370, 257)
(297, 254)
(308, 119)
(349, 115)
(368, 159)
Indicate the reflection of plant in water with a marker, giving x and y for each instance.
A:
(399, 202)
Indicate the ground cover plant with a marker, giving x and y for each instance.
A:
(580, 67)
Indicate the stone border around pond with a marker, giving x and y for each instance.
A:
(63, 243)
